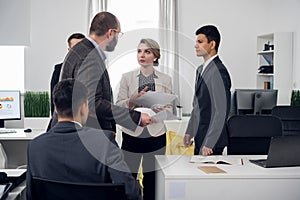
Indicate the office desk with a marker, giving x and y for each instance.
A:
(177, 178)
(15, 146)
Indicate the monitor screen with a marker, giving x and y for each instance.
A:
(245, 101)
(255, 101)
(10, 106)
(264, 101)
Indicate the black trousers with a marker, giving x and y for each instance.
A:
(144, 147)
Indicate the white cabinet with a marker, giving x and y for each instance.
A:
(275, 64)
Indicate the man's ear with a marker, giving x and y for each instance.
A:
(109, 33)
(83, 109)
(213, 44)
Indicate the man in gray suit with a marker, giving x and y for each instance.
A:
(212, 97)
(85, 63)
(70, 152)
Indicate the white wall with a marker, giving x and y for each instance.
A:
(52, 22)
(239, 22)
(14, 22)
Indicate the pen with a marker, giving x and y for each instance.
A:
(242, 161)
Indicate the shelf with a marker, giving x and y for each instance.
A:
(261, 74)
(280, 56)
(265, 52)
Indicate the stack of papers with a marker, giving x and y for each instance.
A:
(157, 117)
(151, 98)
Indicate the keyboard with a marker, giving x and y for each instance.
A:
(7, 131)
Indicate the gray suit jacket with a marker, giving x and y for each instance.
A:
(211, 107)
(72, 153)
(83, 62)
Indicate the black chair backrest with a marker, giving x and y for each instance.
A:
(290, 117)
(251, 134)
(43, 189)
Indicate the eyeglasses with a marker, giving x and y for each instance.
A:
(120, 34)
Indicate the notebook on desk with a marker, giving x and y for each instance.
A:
(283, 152)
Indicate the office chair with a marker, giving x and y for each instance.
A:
(251, 134)
(57, 190)
(290, 118)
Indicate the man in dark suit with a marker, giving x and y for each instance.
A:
(73, 153)
(72, 40)
(85, 62)
(211, 103)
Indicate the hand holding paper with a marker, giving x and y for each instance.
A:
(145, 119)
(157, 117)
(131, 103)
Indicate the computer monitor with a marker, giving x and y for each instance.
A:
(264, 101)
(255, 101)
(10, 106)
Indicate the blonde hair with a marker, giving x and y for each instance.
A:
(154, 48)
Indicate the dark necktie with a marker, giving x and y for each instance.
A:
(198, 73)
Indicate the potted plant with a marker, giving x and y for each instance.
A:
(295, 98)
(36, 109)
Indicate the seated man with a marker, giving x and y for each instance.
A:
(73, 153)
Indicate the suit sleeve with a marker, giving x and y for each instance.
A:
(169, 90)
(194, 118)
(93, 74)
(123, 96)
(217, 91)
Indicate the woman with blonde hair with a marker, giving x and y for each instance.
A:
(140, 146)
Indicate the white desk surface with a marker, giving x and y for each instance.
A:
(21, 135)
(176, 166)
(178, 179)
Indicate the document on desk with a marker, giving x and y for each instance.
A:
(157, 117)
(211, 170)
(217, 160)
(151, 98)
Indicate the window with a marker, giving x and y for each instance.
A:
(138, 20)
(12, 68)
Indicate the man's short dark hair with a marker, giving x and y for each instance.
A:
(212, 34)
(75, 36)
(68, 95)
(102, 22)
